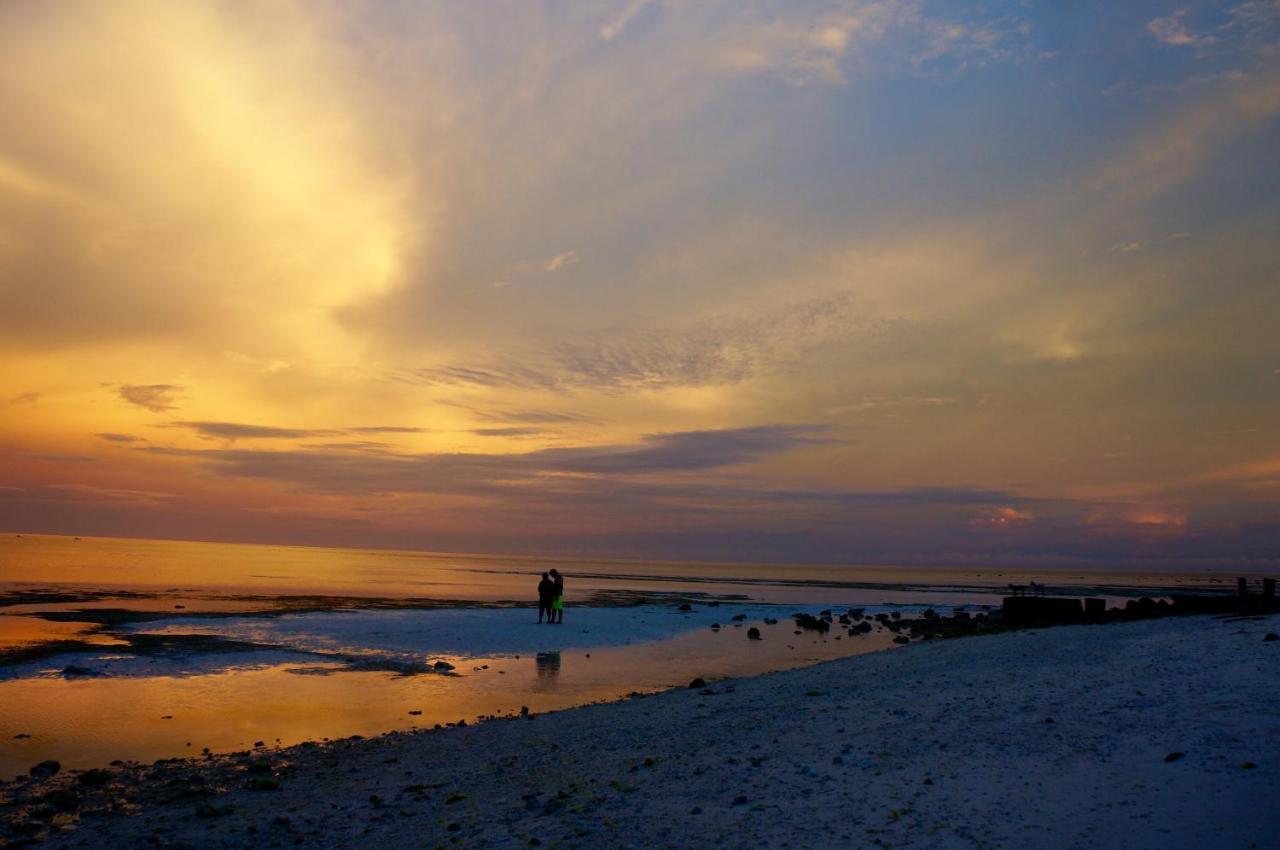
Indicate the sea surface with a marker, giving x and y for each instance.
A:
(145, 649)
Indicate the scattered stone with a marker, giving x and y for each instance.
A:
(685, 607)
(740, 800)
(1174, 756)
(442, 666)
(1248, 765)
(1270, 636)
(739, 617)
(524, 711)
(95, 778)
(415, 712)
(698, 683)
(45, 769)
(753, 633)
(21, 736)
(715, 627)
(264, 783)
(901, 639)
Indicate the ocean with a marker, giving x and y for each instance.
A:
(146, 649)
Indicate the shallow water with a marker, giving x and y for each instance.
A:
(144, 649)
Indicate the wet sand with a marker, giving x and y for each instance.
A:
(1161, 733)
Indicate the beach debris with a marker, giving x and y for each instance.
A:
(1270, 636)
(715, 627)
(21, 736)
(753, 633)
(698, 683)
(770, 621)
(1248, 765)
(901, 639)
(737, 618)
(442, 666)
(1174, 756)
(264, 783)
(75, 671)
(685, 607)
(415, 712)
(740, 800)
(45, 769)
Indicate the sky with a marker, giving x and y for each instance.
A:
(863, 281)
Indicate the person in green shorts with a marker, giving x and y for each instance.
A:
(557, 597)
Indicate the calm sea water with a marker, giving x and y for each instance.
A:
(144, 649)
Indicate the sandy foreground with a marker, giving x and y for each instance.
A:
(1161, 734)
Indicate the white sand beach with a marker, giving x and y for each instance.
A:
(1161, 734)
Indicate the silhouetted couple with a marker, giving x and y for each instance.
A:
(551, 597)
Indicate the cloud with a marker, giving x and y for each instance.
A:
(516, 431)
(118, 438)
(1126, 247)
(614, 28)
(157, 398)
(26, 398)
(237, 430)
(1172, 30)
(560, 261)
(717, 349)
(90, 492)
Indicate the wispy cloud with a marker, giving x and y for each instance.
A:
(560, 261)
(157, 398)
(117, 438)
(1173, 30)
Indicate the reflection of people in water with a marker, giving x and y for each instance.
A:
(548, 666)
(557, 601)
(546, 592)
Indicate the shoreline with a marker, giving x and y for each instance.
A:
(1160, 732)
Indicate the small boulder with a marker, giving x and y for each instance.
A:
(442, 666)
(45, 769)
(753, 633)
(685, 607)
(698, 683)
(1270, 636)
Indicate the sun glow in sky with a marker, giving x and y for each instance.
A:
(884, 281)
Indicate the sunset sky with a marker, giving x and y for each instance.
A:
(865, 282)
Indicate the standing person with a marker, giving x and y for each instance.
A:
(557, 596)
(546, 592)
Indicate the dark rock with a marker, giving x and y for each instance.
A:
(45, 769)
(901, 639)
(95, 778)
(416, 712)
(21, 736)
(74, 671)
(753, 633)
(1270, 636)
(442, 666)
(740, 800)
(1174, 756)
(696, 810)
(715, 627)
(524, 711)
(739, 617)
(553, 805)
(264, 783)
(685, 607)
(698, 683)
